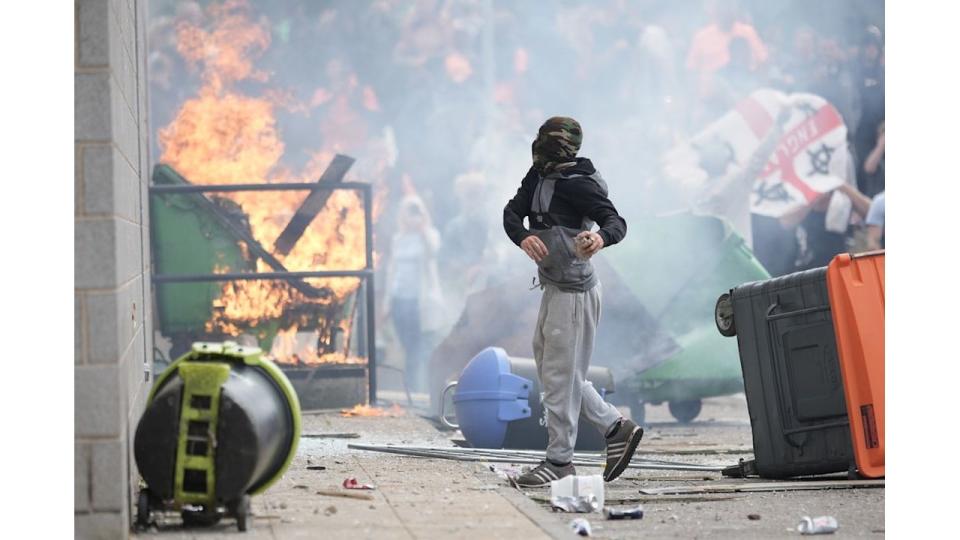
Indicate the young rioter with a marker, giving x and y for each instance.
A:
(564, 196)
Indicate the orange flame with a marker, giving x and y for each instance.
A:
(221, 136)
(369, 410)
(225, 52)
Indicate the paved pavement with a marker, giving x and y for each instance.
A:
(424, 498)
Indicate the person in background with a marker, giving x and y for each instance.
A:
(817, 64)
(819, 243)
(871, 88)
(874, 164)
(727, 192)
(465, 257)
(798, 66)
(774, 243)
(876, 226)
(413, 299)
(466, 235)
(710, 48)
(737, 79)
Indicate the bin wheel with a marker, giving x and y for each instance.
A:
(241, 511)
(201, 518)
(685, 411)
(143, 509)
(723, 316)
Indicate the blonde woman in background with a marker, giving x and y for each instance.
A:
(414, 301)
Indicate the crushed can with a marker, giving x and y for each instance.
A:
(577, 493)
(818, 525)
(624, 513)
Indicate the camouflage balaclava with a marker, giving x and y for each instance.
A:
(558, 141)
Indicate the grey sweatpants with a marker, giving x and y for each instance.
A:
(562, 347)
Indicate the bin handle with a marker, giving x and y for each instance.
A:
(771, 316)
(443, 403)
(873, 253)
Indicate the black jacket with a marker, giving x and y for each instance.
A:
(575, 197)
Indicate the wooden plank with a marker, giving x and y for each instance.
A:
(345, 494)
(312, 205)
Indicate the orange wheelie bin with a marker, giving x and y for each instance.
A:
(856, 286)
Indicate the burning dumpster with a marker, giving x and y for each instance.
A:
(189, 240)
(241, 264)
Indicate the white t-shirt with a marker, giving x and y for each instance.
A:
(878, 210)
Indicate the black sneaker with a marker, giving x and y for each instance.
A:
(620, 448)
(545, 473)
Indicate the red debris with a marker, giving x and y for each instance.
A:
(351, 483)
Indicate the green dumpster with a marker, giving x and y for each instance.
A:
(186, 239)
(675, 264)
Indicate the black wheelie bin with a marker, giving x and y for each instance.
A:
(791, 375)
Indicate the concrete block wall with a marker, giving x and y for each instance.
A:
(112, 323)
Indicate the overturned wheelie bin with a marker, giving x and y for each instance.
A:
(221, 424)
(498, 403)
(811, 345)
(674, 265)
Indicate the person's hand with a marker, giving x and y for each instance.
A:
(534, 247)
(589, 243)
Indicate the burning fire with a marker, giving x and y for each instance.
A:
(222, 136)
(301, 348)
(368, 410)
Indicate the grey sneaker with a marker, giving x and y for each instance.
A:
(545, 473)
(620, 448)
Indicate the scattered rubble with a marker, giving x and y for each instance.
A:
(818, 525)
(351, 483)
(345, 494)
(635, 512)
(581, 527)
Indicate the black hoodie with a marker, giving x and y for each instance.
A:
(579, 193)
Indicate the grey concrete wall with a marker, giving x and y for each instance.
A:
(112, 328)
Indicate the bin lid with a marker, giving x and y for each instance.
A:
(857, 284)
(488, 377)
